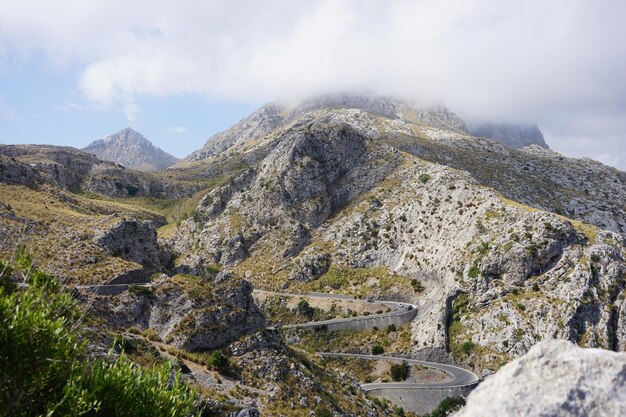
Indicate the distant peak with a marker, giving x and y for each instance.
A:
(131, 149)
(127, 131)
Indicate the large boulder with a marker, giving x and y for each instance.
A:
(555, 378)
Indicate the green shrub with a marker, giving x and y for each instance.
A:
(323, 412)
(417, 285)
(446, 406)
(219, 362)
(132, 190)
(423, 178)
(399, 371)
(43, 370)
(473, 271)
(122, 388)
(391, 328)
(377, 350)
(36, 348)
(468, 346)
(304, 309)
(399, 412)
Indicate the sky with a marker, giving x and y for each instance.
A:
(178, 72)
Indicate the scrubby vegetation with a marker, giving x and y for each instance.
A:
(43, 370)
(446, 407)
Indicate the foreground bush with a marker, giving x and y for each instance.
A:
(38, 346)
(122, 388)
(43, 371)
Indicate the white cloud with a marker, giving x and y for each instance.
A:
(486, 59)
(177, 129)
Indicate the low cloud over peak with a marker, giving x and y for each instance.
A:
(556, 63)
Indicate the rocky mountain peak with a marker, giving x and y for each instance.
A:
(131, 149)
(274, 115)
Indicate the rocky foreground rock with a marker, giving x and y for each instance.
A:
(557, 379)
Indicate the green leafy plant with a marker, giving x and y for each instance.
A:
(219, 362)
(43, 370)
(122, 388)
(468, 346)
(377, 350)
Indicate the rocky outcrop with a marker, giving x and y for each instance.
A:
(312, 170)
(310, 265)
(516, 136)
(555, 378)
(130, 149)
(14, 172)
(132, 240)
(191, 313)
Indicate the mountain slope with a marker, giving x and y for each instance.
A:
(348, 200)
(130, 149)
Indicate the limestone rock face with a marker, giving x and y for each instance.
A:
(132, 240)
(555, 378)
(310, 265)
(275, 115)
(188, 312)
(132, 150)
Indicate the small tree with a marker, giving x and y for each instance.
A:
(377, 350)
(399, 371)
(219, 362)
(305, 309)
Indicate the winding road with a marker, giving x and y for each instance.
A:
(460, 378)
(398, 311)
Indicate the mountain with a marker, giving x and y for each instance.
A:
(274, 115)
(130, 149)
(496, 248)
(497, 236)
(516, 136)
